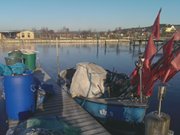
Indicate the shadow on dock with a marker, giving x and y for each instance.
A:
(3, 116)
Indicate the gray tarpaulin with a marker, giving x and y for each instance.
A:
(88, 80)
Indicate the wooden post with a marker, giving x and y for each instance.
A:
(97, 45)
(105, 46)
(97, 38)
(57, 56)
(157, 123)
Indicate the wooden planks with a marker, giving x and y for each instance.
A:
(63, 106)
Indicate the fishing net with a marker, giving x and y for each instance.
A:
(44, 126)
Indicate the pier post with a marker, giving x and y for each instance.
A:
(157, 122)
(57, 56)
(97, 52)
(117, 49)
(97, 38)
(105, 47)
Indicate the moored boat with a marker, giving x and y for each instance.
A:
(113, 103)
(114, 109)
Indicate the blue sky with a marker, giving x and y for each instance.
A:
(85, 14)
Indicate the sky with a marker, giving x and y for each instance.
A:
(95, 15)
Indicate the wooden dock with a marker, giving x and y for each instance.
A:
(145, 41)
(63, 106)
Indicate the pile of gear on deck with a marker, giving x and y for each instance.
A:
(17, 62)
(21, 65)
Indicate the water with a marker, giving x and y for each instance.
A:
(117, 57)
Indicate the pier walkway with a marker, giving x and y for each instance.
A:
(63, 106)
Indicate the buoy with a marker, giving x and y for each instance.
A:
(157, 122)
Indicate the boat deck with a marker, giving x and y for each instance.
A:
(63, 106)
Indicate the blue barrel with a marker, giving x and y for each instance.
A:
(20, 96)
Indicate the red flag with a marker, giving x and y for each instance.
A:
(162, 67)
(171, 73)
(147, 81)
(172, 68)
(149, 88)
(168, 48)
(176, 62)
(156, 27)
(166, 76)
(150, 51)
(147, 78)
(134, 76)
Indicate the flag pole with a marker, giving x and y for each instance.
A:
(140, 67)
(140, 77)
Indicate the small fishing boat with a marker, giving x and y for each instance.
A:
(114, 109)
(112, 102)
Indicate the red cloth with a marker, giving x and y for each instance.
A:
(168, 48)
(150, 51)
(171, 68)
(171, 62)
(176, 62)
(163, 68)
(146, 80)
(134, 77)
(148, 77)
(170, 75)
(160, 68)
(156, 27)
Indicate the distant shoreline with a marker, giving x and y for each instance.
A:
(67, 41)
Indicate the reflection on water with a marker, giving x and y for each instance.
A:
(107, 56)
(121, 58)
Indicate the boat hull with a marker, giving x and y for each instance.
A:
(113, 112)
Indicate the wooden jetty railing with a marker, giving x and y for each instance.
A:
(144, 41)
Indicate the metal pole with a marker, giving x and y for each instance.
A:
(159, 108)
(161, 94)
(140, 67)
(140, 76)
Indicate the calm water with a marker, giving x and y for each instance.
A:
(117, 57)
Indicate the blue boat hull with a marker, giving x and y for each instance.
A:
(113, 111)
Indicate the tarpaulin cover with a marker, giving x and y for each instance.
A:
(88, 81)
(5, 70)
(17, 68)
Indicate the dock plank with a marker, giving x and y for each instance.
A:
(63, 106)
